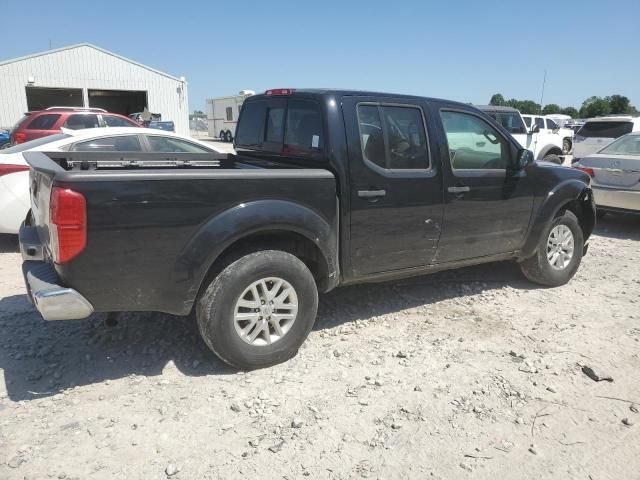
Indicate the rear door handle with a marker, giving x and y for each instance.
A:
(459, 189)
(371, 193)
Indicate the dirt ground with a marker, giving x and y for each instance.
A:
(460, 375)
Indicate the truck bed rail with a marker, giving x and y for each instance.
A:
(135, 160)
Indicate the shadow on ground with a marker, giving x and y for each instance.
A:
(620, 226)
(9, 243)
(42, 358)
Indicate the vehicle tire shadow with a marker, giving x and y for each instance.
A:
(9, 243)
(42, 358)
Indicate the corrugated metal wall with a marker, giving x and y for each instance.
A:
(90, 68)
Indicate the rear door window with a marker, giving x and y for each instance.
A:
(540, 123)
(605, 129)
(80, 121)
(121, 143)
(393, 137)
(43, 122)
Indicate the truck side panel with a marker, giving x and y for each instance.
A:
(140, 223)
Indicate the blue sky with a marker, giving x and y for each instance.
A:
(460, 50)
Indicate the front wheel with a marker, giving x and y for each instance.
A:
(553, 158)
(258, 310)
(559, 252)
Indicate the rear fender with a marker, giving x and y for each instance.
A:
(246, 219)
(568, 194)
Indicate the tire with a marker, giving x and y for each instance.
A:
(231, 290)
(553, 158)
(566, 146)
(222, 136)
(229, 136)
(539, 269)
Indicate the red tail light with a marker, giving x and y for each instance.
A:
(6, 169)
(19, 137)
(588, 171)
(279, 91)
(67, 224)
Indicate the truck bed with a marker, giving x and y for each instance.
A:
(150, 217)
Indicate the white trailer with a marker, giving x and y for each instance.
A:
(222, 115)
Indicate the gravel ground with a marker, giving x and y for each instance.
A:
(467, 374)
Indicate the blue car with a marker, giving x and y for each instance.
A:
(4, 137)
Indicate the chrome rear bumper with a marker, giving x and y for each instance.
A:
(53, 301)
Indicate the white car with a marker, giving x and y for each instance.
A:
(544, 145)
(598, 132)
(14, 171)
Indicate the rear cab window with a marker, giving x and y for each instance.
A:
(286, 125)
(605, 129)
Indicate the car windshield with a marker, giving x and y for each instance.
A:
(21, 147)
(604, 129)
(627, 145)
(512, 122)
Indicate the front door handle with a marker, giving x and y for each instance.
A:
(458, 189)
(371, 193)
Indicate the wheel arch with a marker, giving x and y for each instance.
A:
(260, 225)
(549, 150)
(571, 195)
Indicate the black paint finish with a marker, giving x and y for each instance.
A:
(154, 234)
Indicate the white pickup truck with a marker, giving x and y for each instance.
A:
(546, 144)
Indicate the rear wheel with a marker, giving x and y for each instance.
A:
(258, 310)
(222, 136)
(228, 136)
(559, 252)
(566, 146)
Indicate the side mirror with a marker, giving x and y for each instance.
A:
(534, 128)
(525, 157)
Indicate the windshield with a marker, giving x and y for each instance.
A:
(627, 145)
(605, 129)
(512, 122)
(21, 147)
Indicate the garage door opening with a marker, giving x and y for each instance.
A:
(39, 98)
(123, 102)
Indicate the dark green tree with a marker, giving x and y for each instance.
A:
(497, 100)
(595, 107)
(572, 112)
(550, 109)
(619, 104)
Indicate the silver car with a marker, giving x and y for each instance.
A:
(615, 174)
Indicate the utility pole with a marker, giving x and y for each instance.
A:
(544, 81)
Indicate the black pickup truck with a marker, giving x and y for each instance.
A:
(327, 188)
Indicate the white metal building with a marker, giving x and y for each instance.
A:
(88, 76)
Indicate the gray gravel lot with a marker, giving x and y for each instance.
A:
(467, 374)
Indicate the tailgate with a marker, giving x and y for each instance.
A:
(41, 177)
